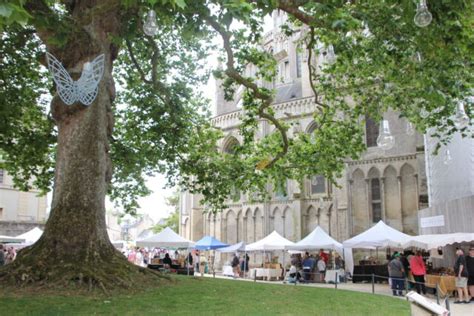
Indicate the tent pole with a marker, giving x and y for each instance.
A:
(187, 255)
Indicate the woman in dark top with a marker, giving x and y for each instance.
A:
(167, 261)
(470, 271)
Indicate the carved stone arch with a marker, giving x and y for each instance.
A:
(358, 202)
(231, 228)
(373, 173)
(249, 226)
(311, 127)
(229, 143)
(288, 224)
(259, 229)
(358, 172)
(276, 210)
(310, 219)
(393, 213)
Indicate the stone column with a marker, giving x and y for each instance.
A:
(350, 217)
(382, 198)
(416, 192)
(369, 206)
(400, 197)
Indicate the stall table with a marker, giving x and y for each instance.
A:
(364, 273)
(227, 270)
(446, 283)
(268, 274)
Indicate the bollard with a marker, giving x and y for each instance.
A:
(437, 294)
(335, 282)
(373, 283)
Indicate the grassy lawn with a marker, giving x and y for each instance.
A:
(205, 296)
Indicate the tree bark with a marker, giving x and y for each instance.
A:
(75, 247)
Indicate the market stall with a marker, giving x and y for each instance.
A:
(272, 242)
(319, 239)
(167, 238)
(379, 236)
(209, 243)
(238, 247)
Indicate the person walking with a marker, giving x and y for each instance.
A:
(396, 271)
(461, 277)
(470, 271)
(236, 265)
(418, 269)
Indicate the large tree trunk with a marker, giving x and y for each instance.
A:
(75, 246)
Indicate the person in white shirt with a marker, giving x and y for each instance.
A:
(321, 268)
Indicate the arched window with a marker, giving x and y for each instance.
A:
(318, 184)
(376, 200)
(371, 132)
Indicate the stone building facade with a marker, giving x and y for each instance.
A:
(388, 185)
(19, 211)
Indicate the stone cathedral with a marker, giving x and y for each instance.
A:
(382, 185)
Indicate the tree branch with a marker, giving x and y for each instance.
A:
(266, 98)
(135, 62)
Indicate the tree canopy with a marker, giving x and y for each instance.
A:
(383, 61)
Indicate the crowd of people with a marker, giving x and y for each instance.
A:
(306, 268)
(7, 255)
(412, 266)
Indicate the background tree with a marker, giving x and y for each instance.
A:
(172, 221)
(156, 122)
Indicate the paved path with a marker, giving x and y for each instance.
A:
(381, 289)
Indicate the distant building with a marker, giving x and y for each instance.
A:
(19, 211)
(136, 228)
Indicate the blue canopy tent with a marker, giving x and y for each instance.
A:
(209, 243)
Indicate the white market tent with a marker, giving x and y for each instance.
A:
(434, 241)
(9, 239)
(233, 248)
(167, 238)
(380, 235)
(319, 239)
(274, 241)
(31, 236)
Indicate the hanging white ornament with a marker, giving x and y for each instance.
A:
(410, 129)
(385, 140)
(85, 89)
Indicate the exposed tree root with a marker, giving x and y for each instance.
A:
(107, 271)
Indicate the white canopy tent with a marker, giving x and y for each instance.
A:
(233, 248)
(381, 235)
(31, 236)
(319, 239)
(167, 238)
(274, 241)
(434, 241)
